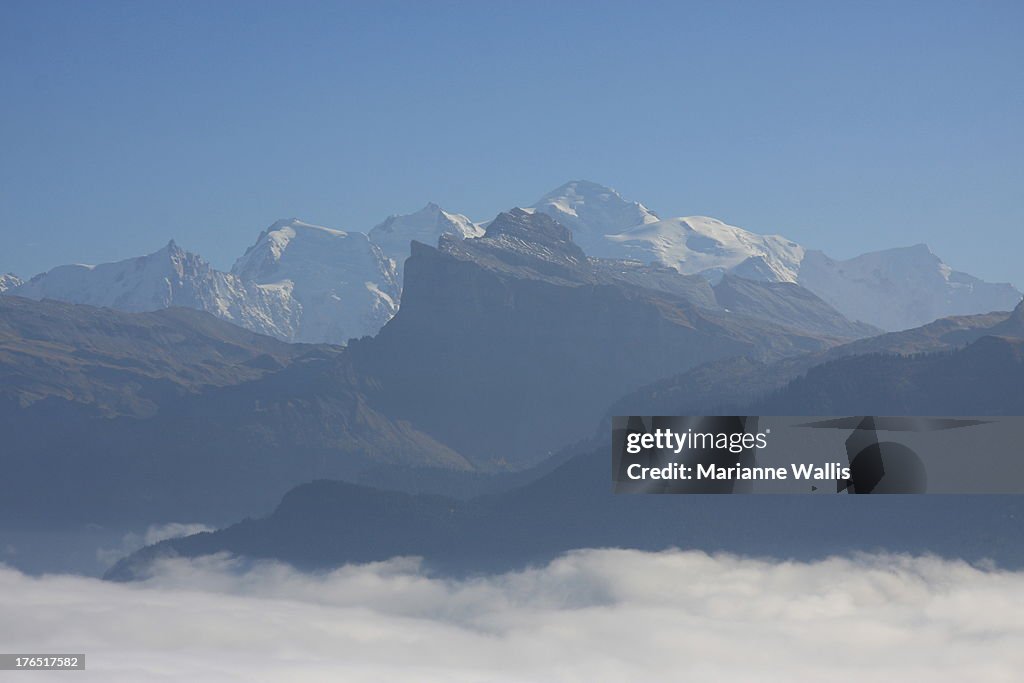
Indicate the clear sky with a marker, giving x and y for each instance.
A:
(847, 126)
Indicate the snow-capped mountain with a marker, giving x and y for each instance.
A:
(894, 289)
(298, 282)
(901, 288)
(306, 283)
(592, 211)
(168, 277)
(704, 245)
(344, 285)
(9, 281)
(427, 225)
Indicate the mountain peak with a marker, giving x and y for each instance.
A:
(592, 210)
(901, 288)
(529, 227)
(428, 225)
(337, 285)
(920, 253)
(170, 252)
(582, 187)
(519, 226)
(9, 281)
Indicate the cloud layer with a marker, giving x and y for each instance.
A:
(155, 533)
(591, 615)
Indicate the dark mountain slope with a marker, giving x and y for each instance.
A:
(506, 348)
(787, 303)
(727, 386)
(329, 523)
(112, 417)
(122, 363)
(987, 375)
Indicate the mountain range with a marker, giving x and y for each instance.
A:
(507, 347)
(168, 277)
(464, 430)
(329, 523)
(553, 337)
(306, 283)
(892, 289)
(725, 387)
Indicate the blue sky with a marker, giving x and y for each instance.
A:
(845, 126)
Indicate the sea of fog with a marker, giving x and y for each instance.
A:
(590, 615)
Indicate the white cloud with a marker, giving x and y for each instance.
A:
(161, 532)
(592, 615)
(155, 533)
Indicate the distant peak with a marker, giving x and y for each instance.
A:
(590, 185)
(919, 250)
(171, 249)
(429, 209)
(582, 188)
(592, 209)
